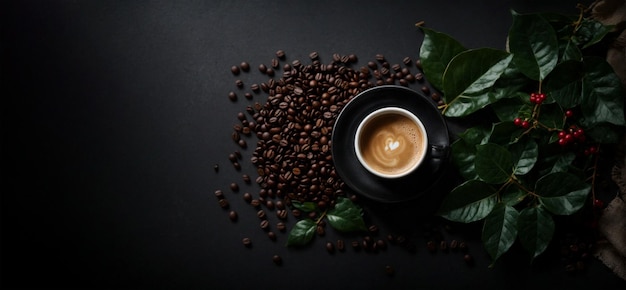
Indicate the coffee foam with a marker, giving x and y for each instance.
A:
(391, 144)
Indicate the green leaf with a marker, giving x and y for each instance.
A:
(568, 50)
(536, 228)
(307, 206)
(562, 193)
(533, 42)
(346, 216)
(563, 84)
(463, 154)
(500, 230)
(504, 133)
(510, 108)
(436, 52)
(563, 162)
(494, 163)
(468, 202)
(526, 153)
(476, 135)
(301, 233)
(468, 77)
(512, 195)
(591, 32)
(605, 133)
(603, 99)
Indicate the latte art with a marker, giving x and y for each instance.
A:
(391, 143)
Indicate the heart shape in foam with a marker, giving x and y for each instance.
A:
(392, 145)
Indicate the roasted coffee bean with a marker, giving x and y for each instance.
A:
(320, 231)
(216, 167)
(463, 246)
(271, 235)
(418, 63)
(232, 96)
(265, 224)
(281, 226)
(232, 215)
(341, 245)
(247, 197)
(356, 245)
(237, 166)
(407, 61)
(270, 72)
(280, 54)
(255, 87)
(248, 96)
(262, 68)
(281, 214)
(247, 242)
(234, 69)
(246, 178)
(381, 244)
(430, 245)
(235, 136)
(242, 143)
(419, 77)
(280, 205)
(330, 247)
(275, 63)
(269, 204)
(234, 187)
(224, 203)
(239, 83)
(277, 260)
(380, 57)
(425, 90)
(389, 270)
(219, 194)
(443, 246)
(468, 259)
(454, 245)
(255, 203)
(435, 97)
(261, 214)
(373, 229)
(313, 55)
(245, 66)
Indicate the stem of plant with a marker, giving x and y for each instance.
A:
(317, 222)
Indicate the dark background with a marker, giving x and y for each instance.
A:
(115, 112)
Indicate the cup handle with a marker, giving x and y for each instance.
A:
(439, 151)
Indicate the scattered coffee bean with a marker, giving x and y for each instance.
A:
(275, 63)
(277, 260)
(219, 194)
(262, 68)
(380, 57)
(234, 187)
(237, 166)
(247, 242)
(468, 259)
(224, 203)
(454, 245)
(425, 90)
(430, 245)
(320, 231)
(463, 246)
(419, 77)
(265, 224)
(281, 226)
(341, 245)
(245, 66)
(389, 270)
(373, 229)
(313, 55)
(261, 214)
(356, 245)
(233, 215)
(418, 63)
(281, 214)
(271, 235)
(242, 143)
(255, 203)
(247, 197)
(216, 167)
(435, 97)
(248, 96)
(239, 83)
(269, 204)
(407, 61)
(380, 244)
(232, 96)
(443, 246)
(234, 69)
(280, 54)
(330, 247)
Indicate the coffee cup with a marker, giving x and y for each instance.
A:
(391, 142)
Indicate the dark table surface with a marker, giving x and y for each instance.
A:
(115, 112)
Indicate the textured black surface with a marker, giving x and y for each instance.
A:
(114, 114)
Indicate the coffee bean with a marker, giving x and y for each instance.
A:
(248, 96)
(320, 231)
(219, 194)
(277, 260)
(247, 242)
(469, 260)
(443, 246)
(373, 229)
(463, 246)
(261, 214)
(330, 247)
(407, 61)
(239, 83)
(275, 63)
(380, 57)
(435, 97)
(280, 54)
(313, 55)
(242, 143)
(232, 96)
(247, 197)
(262, 68)
(419, 77)
(454, 245)
(418, 63)
(255, 87)
(265, 224)
(234, 187)
(216, 167)
(380, 244)
(281, 226)
(245, 66)
(269, 204)
(341, 245)
(281, 214)
(430, 245)
(271, 235)
(224, 203)
(425, 90)
(255, 203)
(356, 245)
(234, 69)
(389, 270)
(237, 166)
(232, 215)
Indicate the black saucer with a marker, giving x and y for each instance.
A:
(369, 185)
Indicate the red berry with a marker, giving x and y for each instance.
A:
(533, 99)
(598, 203)
(569, 113)
(568, 138)
(517, 122)
(562, 142)
(525, 124)
(561, 134)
